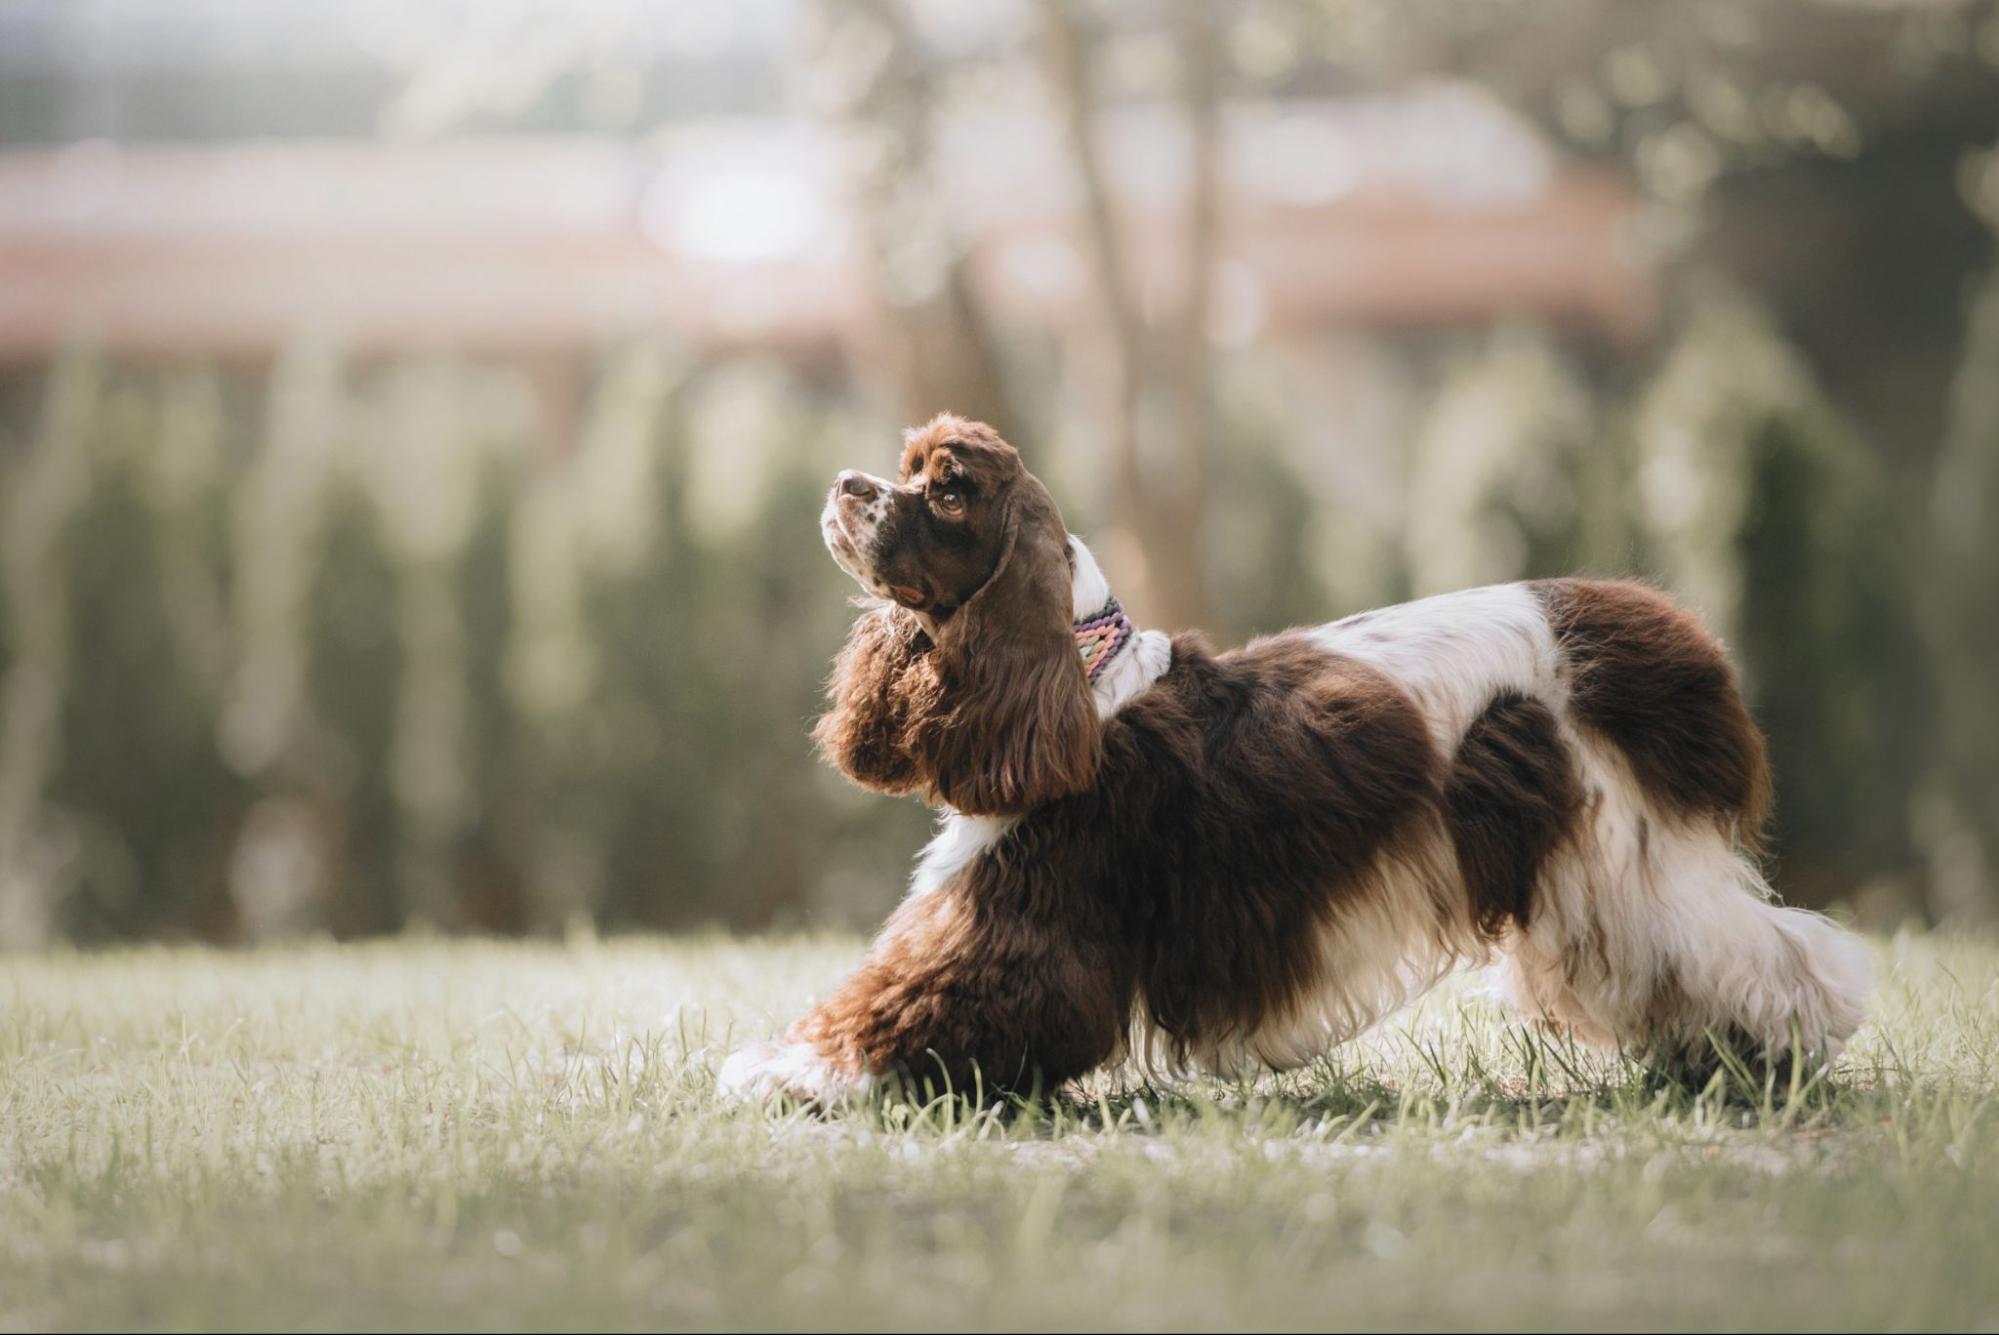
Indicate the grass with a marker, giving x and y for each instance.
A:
(423, 1134)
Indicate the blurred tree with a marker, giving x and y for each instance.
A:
(494, 859)
(1156, 409)
(1261, 521)
(419, 450)
(1500, 478)
(1760, 501)
(1827, 628)
(1960, 596)
(353, 681)
(877, 85)
(1815, 148)
(45, 488)
(140, 783)
(1808, 148)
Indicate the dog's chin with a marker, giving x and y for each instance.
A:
(841, 547)
(846, 554)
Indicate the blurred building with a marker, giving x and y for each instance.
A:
(1434, 210)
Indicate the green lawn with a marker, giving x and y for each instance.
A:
(434, 1134)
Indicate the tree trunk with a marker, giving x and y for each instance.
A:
(935, 337)
(1158, 484)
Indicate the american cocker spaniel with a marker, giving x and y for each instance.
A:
(1236, 860)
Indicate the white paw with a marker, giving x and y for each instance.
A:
(762, 1071)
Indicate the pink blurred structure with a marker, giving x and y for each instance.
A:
(1434, 209)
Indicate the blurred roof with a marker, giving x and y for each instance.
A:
(1435, 207)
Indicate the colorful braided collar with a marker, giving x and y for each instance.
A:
(1100, 637)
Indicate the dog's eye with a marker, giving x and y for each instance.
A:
(950, 504)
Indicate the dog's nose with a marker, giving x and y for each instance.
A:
(857, 485)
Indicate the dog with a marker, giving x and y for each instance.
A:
(1235, 861)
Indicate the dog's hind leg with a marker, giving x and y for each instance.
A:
(1655, 921)
(1652, 930)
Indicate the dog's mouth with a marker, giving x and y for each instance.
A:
(842, 543)
(854, 544)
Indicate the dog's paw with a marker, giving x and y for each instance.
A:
(763, 1071)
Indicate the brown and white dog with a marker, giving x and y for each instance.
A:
(1238, 860)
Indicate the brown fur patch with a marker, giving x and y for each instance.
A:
(1311, 765)
(942, 559)
(1240, 801)
(1647, 675)
(949, 447)
(863, 734)
(1001, 718)
(1511, 799)
(1000, 982)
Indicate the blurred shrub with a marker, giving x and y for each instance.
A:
(390, 662)
(1757, 501)
(148, 802)
(1958, 818)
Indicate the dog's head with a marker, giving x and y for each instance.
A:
(932, 539)
(994, 712)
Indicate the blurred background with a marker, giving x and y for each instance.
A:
(414, 415)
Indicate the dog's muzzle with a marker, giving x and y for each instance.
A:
(851, 524)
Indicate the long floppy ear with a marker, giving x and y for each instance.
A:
(870, 692)
(1009, 722)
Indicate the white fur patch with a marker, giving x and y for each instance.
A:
(853, 534)
(1088, 589)
(1144, 658)
(764, 1071)
(1455, 651)
(958, 840)
(1655, 922)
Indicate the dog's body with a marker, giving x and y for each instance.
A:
(1241, 859)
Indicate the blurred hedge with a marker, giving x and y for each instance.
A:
(353, 648)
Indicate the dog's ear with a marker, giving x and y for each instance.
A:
(863, 734)
(1010, 722)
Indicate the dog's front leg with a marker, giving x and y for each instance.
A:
(962, 997)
